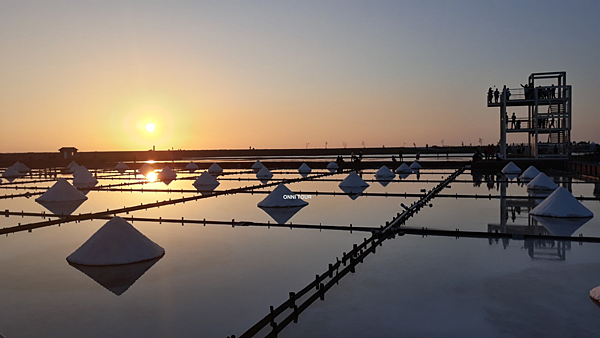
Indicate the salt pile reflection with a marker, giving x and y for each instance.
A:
(118, 278)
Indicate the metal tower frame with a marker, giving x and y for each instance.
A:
(548, 123)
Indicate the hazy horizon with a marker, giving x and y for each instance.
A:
(270, 74)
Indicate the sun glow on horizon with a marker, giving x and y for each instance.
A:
(150, 127)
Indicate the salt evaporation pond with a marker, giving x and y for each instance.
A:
(218, 280)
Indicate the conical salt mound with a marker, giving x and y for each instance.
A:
(404, 169)
(22, 168)
(73, 163)
(281, 197)
(415, 165)
(511, 168)
(530, 173)
(332, 167)
(121, 167)
(116, 242)
(257, 166)
(84, 180)
(73, 169)
(385, 172)
(167, 174)
(304, 169)
(145, 169)
(81, 170)
(191, 167)
(353, 180)
(541, 182)
(561, 203)
(206, 182)
(11, 172)
(61, 191)
(264, 174)
(215, 169)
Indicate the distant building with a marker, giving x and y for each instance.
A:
(68, 152)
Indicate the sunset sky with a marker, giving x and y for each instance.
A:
(281, 74)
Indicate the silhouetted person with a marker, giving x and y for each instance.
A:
(496, 95)
(490, 95)
(400, 155)
(527, 91)
(513, 120)
(552, 91)
(506, 93)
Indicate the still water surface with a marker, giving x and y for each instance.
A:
(218, 280)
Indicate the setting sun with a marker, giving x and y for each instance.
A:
(150, 127)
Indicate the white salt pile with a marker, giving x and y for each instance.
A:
(385, 173)
(116, 242)
(145, 169)
(257, 166)
(530, 173)
(62, 198)
(121, 167)
(353, 180)
(215, 169)
(415, 165)
(353, 185)
(11, 172)
(72, 164)
(264, 174)
(85, 180)
(74, 168)
(81, 170)
(167, 174)
(332, 167)
(511, 168)
(541, 182)
(404, 169)
(62, 190)
(561, 203)
(206, 182)
(281, 197)
(304, 169)
(22, 168)
(191, 167)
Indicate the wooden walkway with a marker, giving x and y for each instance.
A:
(290, 310)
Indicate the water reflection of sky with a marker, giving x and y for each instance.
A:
(217, 280)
